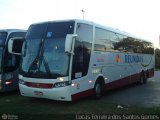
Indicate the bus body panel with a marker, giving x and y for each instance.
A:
(9, 63)
(61, 93)
(10, 81)
(114, 74)
(117, 68)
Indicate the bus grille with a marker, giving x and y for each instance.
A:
(39, 85)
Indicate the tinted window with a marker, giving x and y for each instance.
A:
(17, 34)
(109, 41)
(3, 36)
(45, 44)
(100, 39)
(11, 61)
(132, 45)
(59, 29)
(50, 30)
(1, 52)
(36, 31)
(125, 44)
(148, 48)
(82, 50)
(104, 40)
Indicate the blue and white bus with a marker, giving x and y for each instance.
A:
(9, 63)
(69, 59)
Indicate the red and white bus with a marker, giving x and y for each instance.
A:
(68, 59)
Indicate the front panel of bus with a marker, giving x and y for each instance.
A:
(47, 71)
(9, 63)
(45, 65)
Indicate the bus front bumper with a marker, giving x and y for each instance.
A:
(61, 93)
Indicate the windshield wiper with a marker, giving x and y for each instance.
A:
(46, 65)
(35, 65)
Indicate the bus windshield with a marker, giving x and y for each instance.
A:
(44, 50)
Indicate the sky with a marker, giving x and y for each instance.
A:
(138, 17)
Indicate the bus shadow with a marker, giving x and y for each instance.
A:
(120, 89)
(9, 93)
(48, 101)
(89, 98)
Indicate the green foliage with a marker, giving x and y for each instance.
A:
(157, 58)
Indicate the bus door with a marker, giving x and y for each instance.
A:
(81, 57)
(10, 66)
(10, 71)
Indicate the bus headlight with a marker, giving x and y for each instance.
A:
(62, 84)
(20, 76)
(22, 82)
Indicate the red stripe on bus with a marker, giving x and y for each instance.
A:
(115, 84)
(82, 94)
(122, 82)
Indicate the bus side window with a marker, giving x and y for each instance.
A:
(11, 62)
(77, 66)
(82, 50)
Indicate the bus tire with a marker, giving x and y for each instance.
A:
(97, 90)
(143, 78)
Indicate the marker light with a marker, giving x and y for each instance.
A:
(73, 85)
(90, 81)
(62, 84)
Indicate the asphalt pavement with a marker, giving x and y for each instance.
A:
(146, 95)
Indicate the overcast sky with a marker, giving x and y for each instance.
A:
(138, 17)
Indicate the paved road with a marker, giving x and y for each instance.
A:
(147, 95)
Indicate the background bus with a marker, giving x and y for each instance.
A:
(66, 60)
(9, 63)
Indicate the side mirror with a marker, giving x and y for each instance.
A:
(70, 40)
(15, 45)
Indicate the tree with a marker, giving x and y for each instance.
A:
(157, 58)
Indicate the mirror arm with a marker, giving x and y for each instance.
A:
(69, 43)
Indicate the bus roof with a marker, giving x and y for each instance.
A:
(96, 25)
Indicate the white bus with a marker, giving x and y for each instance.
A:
(9, 63)
(70, 59)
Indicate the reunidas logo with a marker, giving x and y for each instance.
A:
(4, 116)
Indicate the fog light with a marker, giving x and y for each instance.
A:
(22, 82)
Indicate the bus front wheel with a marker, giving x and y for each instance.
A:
(97, 90)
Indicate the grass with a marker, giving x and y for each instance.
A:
(157, 69)
(15, 104)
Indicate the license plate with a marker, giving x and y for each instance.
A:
(38, 93)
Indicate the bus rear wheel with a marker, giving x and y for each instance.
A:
(97, 90)
(143, 78)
